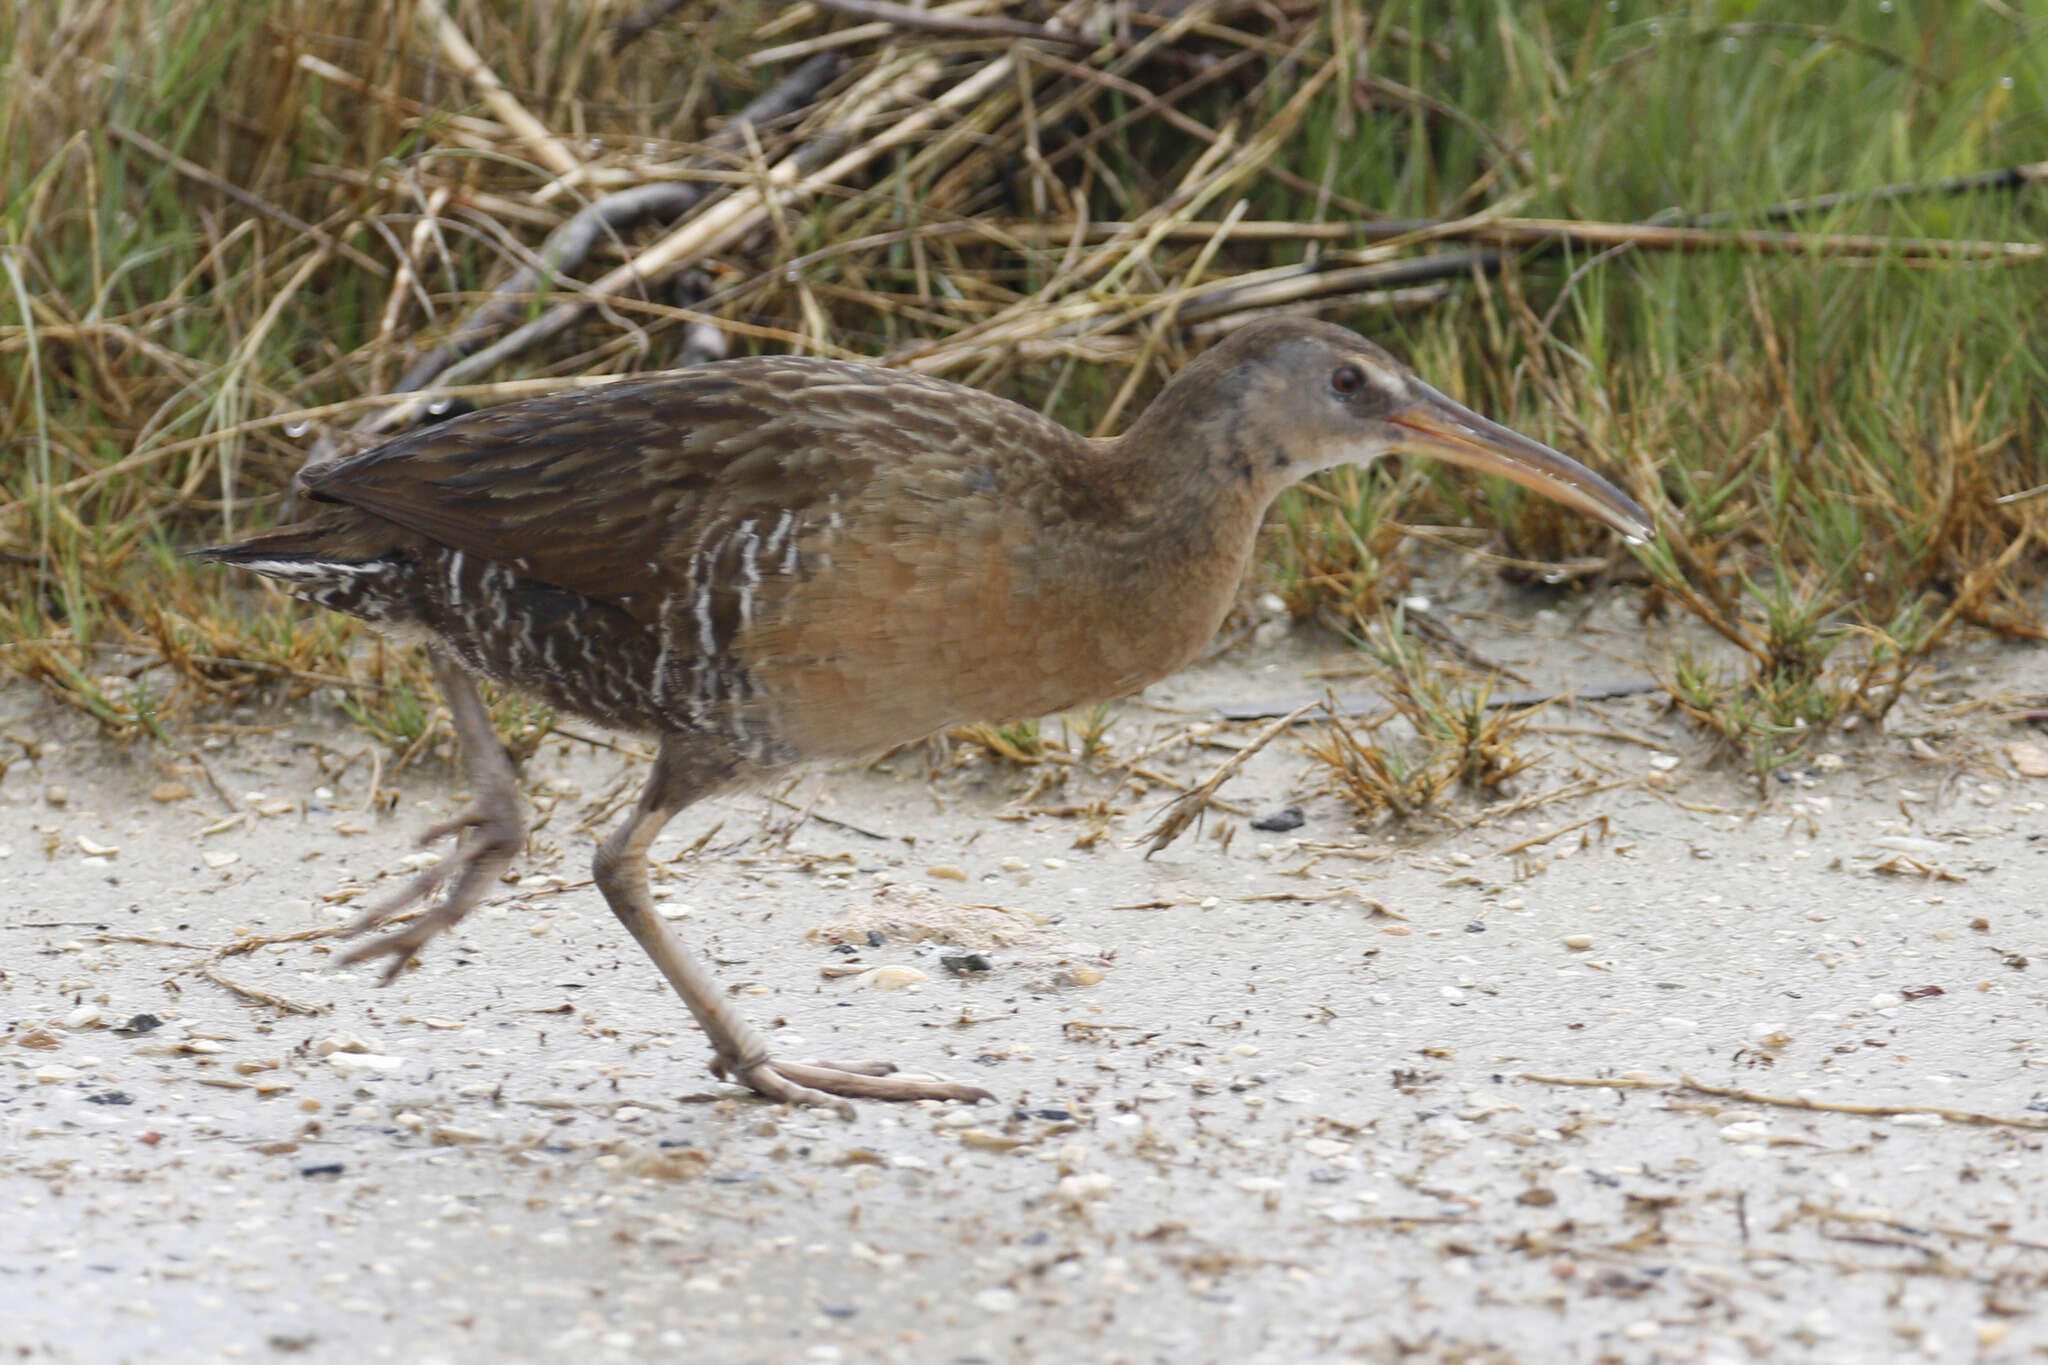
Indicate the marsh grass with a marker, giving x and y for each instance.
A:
(225, 226)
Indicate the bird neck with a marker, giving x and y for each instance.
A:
(1186, 525)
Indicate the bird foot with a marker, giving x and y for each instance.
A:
(831, 1084)
(491, 834)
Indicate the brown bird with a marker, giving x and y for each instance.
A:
(775, 560)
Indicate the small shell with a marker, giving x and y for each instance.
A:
(891, 978)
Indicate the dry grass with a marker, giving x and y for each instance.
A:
(231, 232)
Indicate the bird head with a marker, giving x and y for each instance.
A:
(1288, 398)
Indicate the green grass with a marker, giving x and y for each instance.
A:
(1822, 437)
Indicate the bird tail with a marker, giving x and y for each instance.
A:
(344, 560)
(334, 544)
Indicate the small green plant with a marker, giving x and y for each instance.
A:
(1459, 739)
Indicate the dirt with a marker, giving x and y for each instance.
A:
(1447, 1089)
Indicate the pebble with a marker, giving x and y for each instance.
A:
(1280, 821)
(85, 1016)
(890, 978)
(56, 795)
(92, 848)
(996, 1300)
(1664, 763)
(1325, 1147)
(218, 858)
(1261, 1184)
(353, 1064)
(1578, 943)
(166, 792)
(56, 1073)
(1079, 1189)
(2029, 757)
(946, 872)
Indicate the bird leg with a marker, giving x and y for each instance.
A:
(490, 829)
(740, 1053)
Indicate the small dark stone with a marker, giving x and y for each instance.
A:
(110, 1097)
(1280, 821)
(1049, 1115)
(324, 1168)
(1476, 927)
(1327, 1175)
(875, 939)
(840, 1311)
(962, 964)
(140, 1023)
(844, 949)
(279, 1341)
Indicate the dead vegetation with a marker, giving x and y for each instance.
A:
(234, 237)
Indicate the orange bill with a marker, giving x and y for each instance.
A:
(1450, 431)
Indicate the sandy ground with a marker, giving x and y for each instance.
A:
(1301, 1096)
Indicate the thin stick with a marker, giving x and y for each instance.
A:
(1537, 839)
(1187, 808)
(1686, 1083)
(959, 26)
(548, 149)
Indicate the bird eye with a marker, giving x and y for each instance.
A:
(1347, 380)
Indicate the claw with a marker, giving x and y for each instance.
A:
(489, 841)
(830, 1084)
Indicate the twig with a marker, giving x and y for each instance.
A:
(2005, 178)
(954, 25)
(199, 761)
(1687, 1084)
(548, 149)
(1187, 808)
(1654, 237)
(1358, 704)
(630, 29)
(809, 814)
(1537, 839)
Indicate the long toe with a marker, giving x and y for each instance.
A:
(810, 1083)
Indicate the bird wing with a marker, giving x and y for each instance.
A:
(611, 492)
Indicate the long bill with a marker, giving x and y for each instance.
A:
(1436, 426)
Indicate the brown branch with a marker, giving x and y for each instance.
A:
(951, 25)
(1688, 1084)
